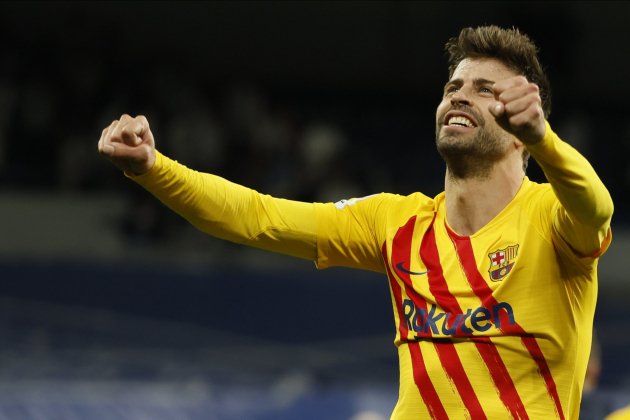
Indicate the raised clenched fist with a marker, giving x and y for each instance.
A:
(128, 143)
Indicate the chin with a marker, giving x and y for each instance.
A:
(455, 152)
(454, 144)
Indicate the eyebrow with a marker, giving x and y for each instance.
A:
(480, 81)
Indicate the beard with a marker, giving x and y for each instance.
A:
(471, 156)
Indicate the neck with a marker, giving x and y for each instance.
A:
(473, 201)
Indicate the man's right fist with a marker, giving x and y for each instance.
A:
(128, 143)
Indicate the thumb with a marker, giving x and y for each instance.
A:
(497, 109)
(132, 159)
(125, 152)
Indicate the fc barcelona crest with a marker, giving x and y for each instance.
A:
(501, 262)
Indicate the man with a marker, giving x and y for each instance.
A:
(493, 282)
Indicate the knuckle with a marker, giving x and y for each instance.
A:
(510, 108)
(533, 110)
(512, 121)
(516, 121)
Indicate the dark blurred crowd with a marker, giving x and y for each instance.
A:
(62, 83)
(309, 145)
(304, 146)
(50, 124)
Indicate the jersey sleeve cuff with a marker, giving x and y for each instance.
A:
(156, 169)
(544, 146)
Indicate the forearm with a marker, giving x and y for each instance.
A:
(576, 184)
(586, 204)
(229, 211)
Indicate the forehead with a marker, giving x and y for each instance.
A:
(485, 68)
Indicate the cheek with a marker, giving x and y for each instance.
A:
(441, 110)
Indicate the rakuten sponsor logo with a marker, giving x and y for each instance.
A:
(433, 322)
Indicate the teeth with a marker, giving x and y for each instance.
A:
(459, 120)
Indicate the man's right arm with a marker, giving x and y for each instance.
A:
(329, 234)
(233, 212)
(212, 204)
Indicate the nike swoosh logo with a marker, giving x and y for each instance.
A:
(400, 267)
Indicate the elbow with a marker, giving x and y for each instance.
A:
(603, 211)
(607, 208)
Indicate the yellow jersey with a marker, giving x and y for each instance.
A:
(621, 414)
(495, 325)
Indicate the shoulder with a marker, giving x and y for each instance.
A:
(533, 187)
(385, 200)
(536, 196)
(383, 206)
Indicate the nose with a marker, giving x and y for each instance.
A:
(459, 98)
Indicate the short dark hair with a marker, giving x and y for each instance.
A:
(513, 48)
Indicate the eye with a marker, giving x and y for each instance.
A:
(449, 90)
(486, 90)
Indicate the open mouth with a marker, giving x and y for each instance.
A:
(459, 119)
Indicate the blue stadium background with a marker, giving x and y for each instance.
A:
(113, 308)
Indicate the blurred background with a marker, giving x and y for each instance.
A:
(111, 307)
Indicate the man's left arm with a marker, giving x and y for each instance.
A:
(583, 220)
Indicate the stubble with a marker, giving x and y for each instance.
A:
(471, 156)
